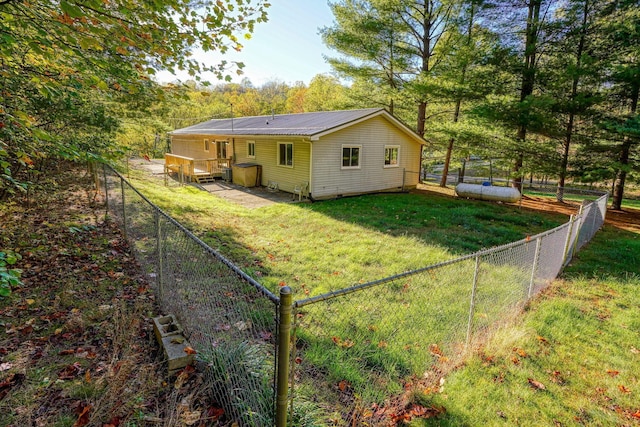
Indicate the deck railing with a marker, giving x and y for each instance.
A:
(192, 168)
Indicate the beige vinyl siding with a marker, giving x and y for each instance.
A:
(330, 179)
(287, 177)
(267, 156)
(193, 146)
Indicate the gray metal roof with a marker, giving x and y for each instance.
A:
(303, 124)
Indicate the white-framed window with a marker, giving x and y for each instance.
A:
(251, 149)
(351, 156)
(206, 145)
(285, 154)
(391, 156)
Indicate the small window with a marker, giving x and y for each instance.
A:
(285, 154)
(351, 156)
(391, 153)
(251, 149)
(206, 145)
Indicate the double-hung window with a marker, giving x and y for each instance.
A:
(251, 149)
(206, 145)
(285, 154)
(351, 156)
(391, 155)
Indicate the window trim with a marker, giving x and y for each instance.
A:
(207, 147)
(397, 163)
(249, 144)
(284, 165)
(358, 166)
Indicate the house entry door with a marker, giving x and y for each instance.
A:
(221, 149)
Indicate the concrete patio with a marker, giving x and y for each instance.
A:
(253, 197)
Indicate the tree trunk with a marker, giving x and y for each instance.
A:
(422, 117)
(456, 114)
(447, 161)
(528, 80)
(564, 163)
(621, 174)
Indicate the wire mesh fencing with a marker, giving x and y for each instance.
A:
(356, 353)
(355, 347)
(227, 317)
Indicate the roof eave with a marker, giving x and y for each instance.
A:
(382, 111)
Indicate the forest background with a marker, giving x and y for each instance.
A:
(549, 86)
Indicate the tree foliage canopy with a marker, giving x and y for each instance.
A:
(65, 64)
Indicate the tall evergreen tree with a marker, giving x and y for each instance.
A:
(622, 24)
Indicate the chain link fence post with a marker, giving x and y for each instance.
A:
(106, 192)
(124, 210)
(159, 252)
(567, 244)
(472, 305)
(284, 338)
(534, 268)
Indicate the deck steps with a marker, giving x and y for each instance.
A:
(205, 179)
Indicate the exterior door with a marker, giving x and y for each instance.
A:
(221, 149)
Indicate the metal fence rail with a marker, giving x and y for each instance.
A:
(374, 340)
(353, 347)
(228, 317)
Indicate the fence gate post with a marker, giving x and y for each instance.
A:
(536, 257)
(284, 336)
(124, 210)
(472, 307)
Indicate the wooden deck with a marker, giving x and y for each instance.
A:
(195, 170)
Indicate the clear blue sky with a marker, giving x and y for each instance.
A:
(287, 48)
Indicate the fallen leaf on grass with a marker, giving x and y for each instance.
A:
(612, 373)
(214, 413)
(189, 350)
(8, 383)
(343, 385)
(70, 372)
(113, 422)
(520, 352)
(83, 417)
(5, 366)
(536, 384)
(623, 389)
(190, 417)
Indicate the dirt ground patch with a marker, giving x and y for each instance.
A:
(627, 219)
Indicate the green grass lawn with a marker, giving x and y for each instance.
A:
(580, 340)
(315, 248)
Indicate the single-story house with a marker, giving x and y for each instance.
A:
(328, 154)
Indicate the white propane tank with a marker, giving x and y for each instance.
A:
(488, 192)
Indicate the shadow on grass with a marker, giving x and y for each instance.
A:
(462, 226)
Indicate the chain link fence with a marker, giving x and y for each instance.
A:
(358, 346)
(229, 318)
(350, 349)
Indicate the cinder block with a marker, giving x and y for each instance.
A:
(164, 326)
(177, 358)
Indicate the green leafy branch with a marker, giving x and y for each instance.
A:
(9, 277)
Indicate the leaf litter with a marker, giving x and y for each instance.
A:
(76, 341)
